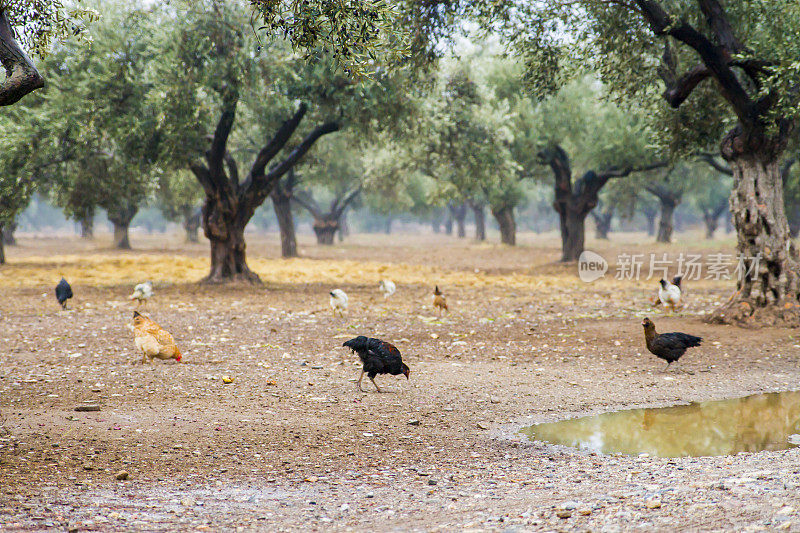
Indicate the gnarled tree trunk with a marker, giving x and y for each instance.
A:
(573, 203)
(573, 234)
(602, 222)
(771, 292)
(508, 226)
(325, 229)
(665, 226)
(8, 234)
(480, 220)
(668, 200)
(326, 224)
(711, 216)
(229, 204)
(121, 217)
(191, 222)
(87, 226)
(459, 214)
(282, 204)
(711, 223)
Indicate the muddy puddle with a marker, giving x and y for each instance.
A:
(725, 427)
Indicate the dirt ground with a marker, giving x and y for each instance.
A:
(291, 445)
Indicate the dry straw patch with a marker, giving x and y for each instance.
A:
(105, 269)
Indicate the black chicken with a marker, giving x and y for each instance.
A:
(63, 292)
(379, 357)
(667, 346)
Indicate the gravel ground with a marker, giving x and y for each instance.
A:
(292, 445)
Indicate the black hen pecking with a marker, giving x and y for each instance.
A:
(667, 346)
(379, 357)
(63, 292)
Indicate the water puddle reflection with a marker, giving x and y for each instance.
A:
(726, 427)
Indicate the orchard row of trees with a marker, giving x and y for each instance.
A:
(595, 93)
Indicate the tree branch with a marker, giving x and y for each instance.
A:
(294, 156)
(219, 144)
(717, 20)
(307, 201)
(715, 58)
(21, 74)
(275, 145)
(614, 172)
(203, 176)
(558, 160)
(338, 210)
(712, 161)
(233, 170)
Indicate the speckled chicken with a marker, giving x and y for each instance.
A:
(153, 340)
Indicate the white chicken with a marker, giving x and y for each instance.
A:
(669, 295)
(387, 287)
(338, 302)
(142, 292)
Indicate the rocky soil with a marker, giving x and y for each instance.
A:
(291, 445)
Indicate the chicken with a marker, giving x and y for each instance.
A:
(378, 357)
(669, 294)
(675, 281)
(142, 292)
(387, 287)
(667, 346)
(152, 340)
(63, 292)
(439, 301)
(338, 302)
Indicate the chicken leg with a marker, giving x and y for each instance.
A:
(376, 385)
(358, 383)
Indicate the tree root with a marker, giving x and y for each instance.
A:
(746, 314)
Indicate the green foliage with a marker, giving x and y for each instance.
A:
(97, 124)
(39, 22)
(359, 34)
(178, 192)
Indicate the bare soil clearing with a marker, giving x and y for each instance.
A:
(292, 445)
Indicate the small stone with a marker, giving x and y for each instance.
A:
(563, 513)
(432, 482)
(653, 503)
(87, 408)
(585, 511)
(122, 475)
(370, 495)
(312, 479)
(187, 502)
(227, 379)
(344, 508)
(113, 515)
(414, 422)
(481, 425)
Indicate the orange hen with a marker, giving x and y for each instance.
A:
(153, 340)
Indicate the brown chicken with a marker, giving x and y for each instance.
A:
(439, 302)
(152, 340)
